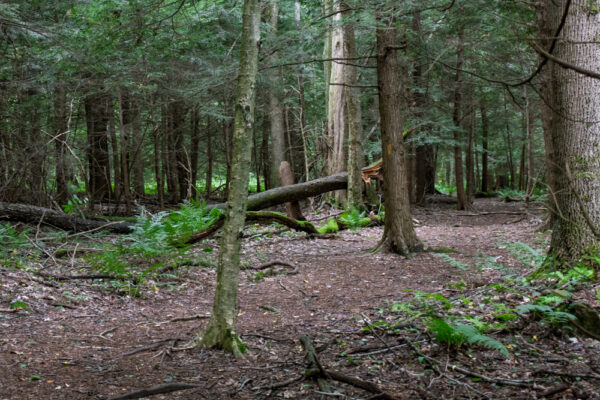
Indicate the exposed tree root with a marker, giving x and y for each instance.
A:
(316, 371)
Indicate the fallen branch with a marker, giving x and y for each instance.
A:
(9, 310)
(79, 277)
(159, 389)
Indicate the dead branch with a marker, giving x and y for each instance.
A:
(9, 310)
(272, 264)
(159, 389)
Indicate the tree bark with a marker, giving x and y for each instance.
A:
(60, 142)
(287, 179)
(575, 136)
(96, 107)
(355, 148)
(35, 215)
(399, 235)
(336, 118)
(209, 159)
(485, 175)
(457, 118)
(221, 329)
(276, 111)
(137, 151)
(469, 167)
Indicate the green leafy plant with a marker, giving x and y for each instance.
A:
(527, 254)
(330, 227)
(354, 219)
(547, 313)
(459, 334)
(455, 263)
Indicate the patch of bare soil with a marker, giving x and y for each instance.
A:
(78, 341)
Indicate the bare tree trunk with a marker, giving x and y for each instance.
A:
(158, 175)
(457, 118)
(355, 148)
(195, 129)
(399, 235)
(509, 146)
(469, 167)
(137, 151)
(124, 139)
(60, 142)
(336, 118)
(276, 112)
(575, 136)
(96, 106)
(221, 329)
(485, 175)
(264, 152)
(209, 158)
(530, 144)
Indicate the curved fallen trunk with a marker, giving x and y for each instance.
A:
(33, 214)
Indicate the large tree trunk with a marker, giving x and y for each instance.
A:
(424, 152)
(221, 329)
(575, 136)
(336, 118)
(96, 108)
(399, 235)
(355, 148)
(457, 118)
(276, 116)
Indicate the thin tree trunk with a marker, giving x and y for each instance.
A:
(221, 329)
(158, 175)
(195, 128)
(530, 144)
(60, 141)
(276, 111)
(124, 139)
(264, 152)
(399, 235)
(96, 106)
(209, 158)
(457, 118)
(485, 179)
(509, 146)
(137, 151)
(469, 167)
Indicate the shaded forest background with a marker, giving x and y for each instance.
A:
(123, 102)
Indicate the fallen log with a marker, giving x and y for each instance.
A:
(33, 214)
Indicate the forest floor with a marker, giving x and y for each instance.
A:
(365, 313)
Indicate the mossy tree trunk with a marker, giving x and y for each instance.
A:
(575, 134)
(221, 329)
(399, 234)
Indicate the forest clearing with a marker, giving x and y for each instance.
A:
(299, 199)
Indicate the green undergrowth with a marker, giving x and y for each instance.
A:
(154, 247)
(467, 317)
(351, 219)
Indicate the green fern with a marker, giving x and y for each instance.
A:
(354, 219)
(455, 263)
(549, 314)
(330, 227)
(459, 334)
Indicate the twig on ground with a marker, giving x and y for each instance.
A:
(9, 310)
(159, 389)
(283, 286)
(106, 332)
(179, 319)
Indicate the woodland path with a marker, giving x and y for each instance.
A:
(83, 350)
